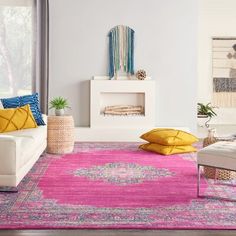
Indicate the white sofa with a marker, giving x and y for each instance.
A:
(19, 150)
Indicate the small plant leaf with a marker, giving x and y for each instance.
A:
(207, 109)
(59, 103)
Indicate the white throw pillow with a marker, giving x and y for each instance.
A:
(1, 106)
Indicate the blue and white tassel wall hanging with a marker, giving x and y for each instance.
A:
(121, 51)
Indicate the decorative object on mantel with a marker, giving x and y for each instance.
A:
(124, 110)
(59, 103)
(121, 50)
(205, 114)
(141, 74)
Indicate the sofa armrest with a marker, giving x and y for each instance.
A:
(9, 151)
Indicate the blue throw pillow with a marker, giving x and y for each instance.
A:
(32, 100)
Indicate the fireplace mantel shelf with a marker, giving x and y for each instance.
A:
(120, 78)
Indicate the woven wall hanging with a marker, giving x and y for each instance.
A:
(224, 72)
(121, 50)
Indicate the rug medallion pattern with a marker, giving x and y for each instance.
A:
(123, 173)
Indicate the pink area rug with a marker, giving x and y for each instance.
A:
(115, 185)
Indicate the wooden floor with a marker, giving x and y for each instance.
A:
(117, 232)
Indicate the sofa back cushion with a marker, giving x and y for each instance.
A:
(16, 118)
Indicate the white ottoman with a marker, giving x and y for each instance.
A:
(221, 155)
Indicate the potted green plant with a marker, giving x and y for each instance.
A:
(59, 104)
(204, 113)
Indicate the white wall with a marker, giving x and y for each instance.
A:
(166, 47)
(216, 18)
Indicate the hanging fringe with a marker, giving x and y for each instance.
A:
(121, 50)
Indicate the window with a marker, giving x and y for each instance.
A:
(16, 47)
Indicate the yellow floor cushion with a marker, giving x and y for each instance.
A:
(167, 150)
(167, 136)
(16, 118)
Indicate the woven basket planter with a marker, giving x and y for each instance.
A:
(214, 173)
(61, 134)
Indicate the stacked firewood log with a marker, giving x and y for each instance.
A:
(124, 110)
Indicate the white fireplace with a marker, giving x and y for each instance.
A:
(122, 103)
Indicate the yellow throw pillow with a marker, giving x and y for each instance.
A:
(169, 137)
(16, 118)
(167, 150)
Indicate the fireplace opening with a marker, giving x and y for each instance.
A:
(122, 104)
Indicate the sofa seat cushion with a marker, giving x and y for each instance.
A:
(27, 148)
(36, 134)
(219, 154)
(30, 140)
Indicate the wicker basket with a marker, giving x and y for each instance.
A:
(60, 134)
(214, 173)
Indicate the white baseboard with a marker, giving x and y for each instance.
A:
(87, 134)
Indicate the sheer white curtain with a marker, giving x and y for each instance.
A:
(24, 49)
(16, 47)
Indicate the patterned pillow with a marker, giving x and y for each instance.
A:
(16, 119)
(20, 101)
